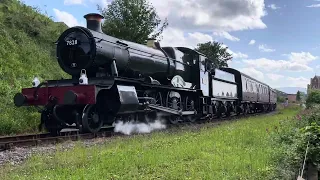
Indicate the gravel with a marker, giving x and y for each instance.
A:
(18, 155)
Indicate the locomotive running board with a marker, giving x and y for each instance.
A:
(171, 111)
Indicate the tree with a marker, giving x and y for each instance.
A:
(280, 99)
(216, 53)
(132, 20)
(298, 98)
(313, 98)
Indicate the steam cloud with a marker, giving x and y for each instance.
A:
(138, 127)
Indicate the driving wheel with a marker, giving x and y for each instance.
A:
(91, 120)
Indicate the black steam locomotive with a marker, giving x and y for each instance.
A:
(113, 79)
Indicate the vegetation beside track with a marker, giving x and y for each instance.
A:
(27, 50)
(232, 150)
(294, 135)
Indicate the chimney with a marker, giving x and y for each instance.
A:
(151, 43)
(94, 21)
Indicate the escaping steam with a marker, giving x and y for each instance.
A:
(138, 127)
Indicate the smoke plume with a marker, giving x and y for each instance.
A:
(138, 127)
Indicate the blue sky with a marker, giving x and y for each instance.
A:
(286, 33)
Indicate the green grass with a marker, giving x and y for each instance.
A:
(27, 50)
(232, 150)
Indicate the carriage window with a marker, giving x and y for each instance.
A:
(224, 75)
(260, 91)
(253, 87)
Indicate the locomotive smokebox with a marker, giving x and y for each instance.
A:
(94, 21)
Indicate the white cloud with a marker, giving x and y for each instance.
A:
(67, 18)
(274, 77)
(208, 15)
(226, 35)
(314, 6)
(302, 58)
(250, 71)
(252, 42)
(273, 6)
(277, 65)
(289, 81)
(297, 82)
(237, 55)
(176, 37)
(73, 2)
(265, 48)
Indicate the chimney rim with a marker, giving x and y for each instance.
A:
(96, 15)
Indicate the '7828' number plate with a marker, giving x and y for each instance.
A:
(72, 42)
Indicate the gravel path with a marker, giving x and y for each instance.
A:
(17, 155)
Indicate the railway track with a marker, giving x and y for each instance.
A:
(46, 138)
(9, 142)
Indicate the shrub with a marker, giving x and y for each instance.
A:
(313, 98)
(292, 138)
(280, 99)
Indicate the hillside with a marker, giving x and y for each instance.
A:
(27, 50)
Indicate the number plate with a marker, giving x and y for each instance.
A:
(72, 42)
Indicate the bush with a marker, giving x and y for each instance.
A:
(313, 98)
(292, 138)
(280, 99)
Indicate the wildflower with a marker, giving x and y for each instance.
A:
(298, 117)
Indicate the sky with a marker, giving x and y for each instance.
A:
(274, 41)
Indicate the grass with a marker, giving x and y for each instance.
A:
(232, 150)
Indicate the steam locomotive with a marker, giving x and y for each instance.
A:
(113, 79)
